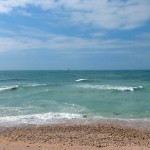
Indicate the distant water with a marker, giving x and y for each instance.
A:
(41, 97)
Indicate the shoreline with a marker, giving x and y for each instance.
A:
(141, 124)
(104, 135)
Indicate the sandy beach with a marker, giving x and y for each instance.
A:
(74, 137)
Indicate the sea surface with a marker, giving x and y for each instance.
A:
(47, 97)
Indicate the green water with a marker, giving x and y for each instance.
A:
(50, 95)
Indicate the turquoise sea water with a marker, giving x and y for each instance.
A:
(40, 97)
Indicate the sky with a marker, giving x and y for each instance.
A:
(74, 34)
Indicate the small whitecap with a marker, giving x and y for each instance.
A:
(80, 80)
(109, 87)
(4, 88)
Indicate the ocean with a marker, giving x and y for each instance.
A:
(51, 97)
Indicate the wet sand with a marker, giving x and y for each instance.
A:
(75, 136)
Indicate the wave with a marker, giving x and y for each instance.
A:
(13, 79)
(33, 107)
(33, 85)
(58, 118)
(81, 80)
(10, 111)
(73, 108)
(110, 87)
(5, 88)
(15, 87)
(38, 119)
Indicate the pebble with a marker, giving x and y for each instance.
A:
(93, 135)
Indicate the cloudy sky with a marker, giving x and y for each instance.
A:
(75, 34)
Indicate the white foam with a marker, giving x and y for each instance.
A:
(13, 87)
(4, 88)
(80, 80)
(34, 85)
(10, 111)
(58, 118)
(73, 108)
(109, 87)
(37, 119)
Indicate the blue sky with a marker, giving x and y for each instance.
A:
(75, 34)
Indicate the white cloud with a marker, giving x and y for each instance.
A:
(117, 14)
(8, 5)
(29, 39)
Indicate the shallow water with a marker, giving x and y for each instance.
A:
(40, 97)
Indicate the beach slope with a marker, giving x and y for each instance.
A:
(73, 137)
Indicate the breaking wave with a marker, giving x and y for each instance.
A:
(38, 119)
(110, 87)
(5, 88)
(81, 80)
(15, 87)
(33, 85)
